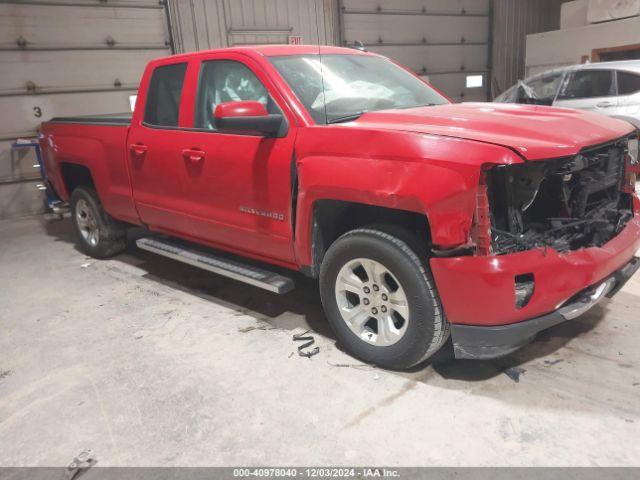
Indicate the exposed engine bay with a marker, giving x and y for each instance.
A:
(566, 203)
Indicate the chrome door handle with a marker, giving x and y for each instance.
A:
(193, 155)
(138, 149)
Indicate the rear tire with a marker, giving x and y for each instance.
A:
(365, 278)
(97, 233)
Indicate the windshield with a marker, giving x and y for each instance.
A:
(353, 84)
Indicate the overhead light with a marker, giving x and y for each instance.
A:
(475, 81)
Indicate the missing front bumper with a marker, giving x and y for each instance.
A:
(481, 343)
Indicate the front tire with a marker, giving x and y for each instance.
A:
(97, 233)
(380, 299)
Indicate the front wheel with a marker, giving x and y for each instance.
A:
(380, 299)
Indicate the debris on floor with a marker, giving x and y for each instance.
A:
(256, 327)
(5, 374)
(309, 340)
(514, 373)
(357, 366)
(79, 465)
(550, 363)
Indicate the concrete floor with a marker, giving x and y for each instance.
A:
(149, 362)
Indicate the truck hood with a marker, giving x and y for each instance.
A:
(535, 132)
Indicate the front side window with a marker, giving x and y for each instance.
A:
(224, 81)
(163, 97)
(340, 87)
(588, 84)
(628, 83)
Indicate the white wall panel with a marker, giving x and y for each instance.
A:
(63, 70)
(20, 198)
(81, 27)
(207, 24)
(17, 163)
(23, 120)
(430, 6)
(437, 58)
(567, 47)
(372, 28)
(95, 49)
(438, 38)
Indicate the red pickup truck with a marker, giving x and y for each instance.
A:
(422, 219)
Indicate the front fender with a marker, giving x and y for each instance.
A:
(431, 175)
(632, 120)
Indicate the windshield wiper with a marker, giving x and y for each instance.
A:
(355, 116)
(347, 118)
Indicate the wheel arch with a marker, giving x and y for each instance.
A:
(330, 219)
(75, 175)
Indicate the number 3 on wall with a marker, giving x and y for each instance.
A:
(37, 111)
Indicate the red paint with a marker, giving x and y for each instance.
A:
(240, 109)
(480, 290)
(200, 185)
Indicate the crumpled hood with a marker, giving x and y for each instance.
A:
(536, 132)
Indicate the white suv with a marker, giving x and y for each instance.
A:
(610, 88)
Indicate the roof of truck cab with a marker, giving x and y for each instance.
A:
(280, 50)
(269, 51)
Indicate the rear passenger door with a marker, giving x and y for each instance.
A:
(593, 90)
(154, 148)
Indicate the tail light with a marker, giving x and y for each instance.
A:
(481, 234)
(631, 167)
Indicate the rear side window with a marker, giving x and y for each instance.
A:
(628, 83)
(588, 84)
(163, 97)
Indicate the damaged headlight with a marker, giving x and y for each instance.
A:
(632, 149)
(524, 287)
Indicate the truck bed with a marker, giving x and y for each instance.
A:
(103, 119)
(96, 143)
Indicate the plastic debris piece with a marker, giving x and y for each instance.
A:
(309, 340)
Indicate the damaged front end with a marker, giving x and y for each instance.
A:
(565, 203)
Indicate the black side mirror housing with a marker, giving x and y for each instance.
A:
(248, 117)
(266, 125)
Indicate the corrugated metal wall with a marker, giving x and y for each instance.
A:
(513, 20)
(443, 40)
(66, 57)
(206, 24)
(69, 57)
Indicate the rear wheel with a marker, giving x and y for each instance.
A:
(98, 234)
(380, 298)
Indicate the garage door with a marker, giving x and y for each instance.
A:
(446, 41)
(70, 57)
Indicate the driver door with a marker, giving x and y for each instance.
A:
(238, 190)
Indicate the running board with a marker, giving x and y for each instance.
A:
(222, 266)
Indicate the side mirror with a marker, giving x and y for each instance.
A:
(247, 118)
